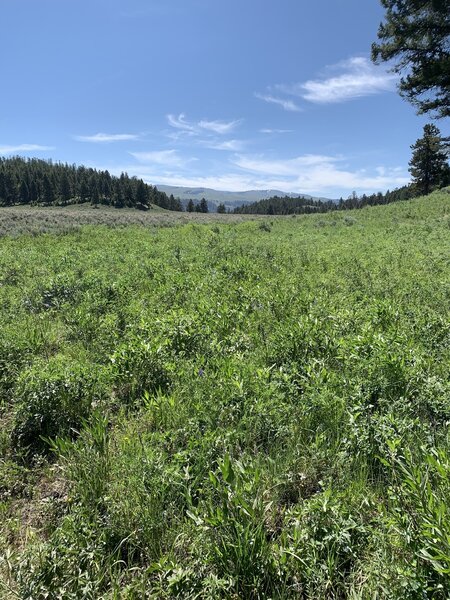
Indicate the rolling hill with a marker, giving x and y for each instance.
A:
(230, 199)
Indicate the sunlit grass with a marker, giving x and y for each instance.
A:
(253, 409)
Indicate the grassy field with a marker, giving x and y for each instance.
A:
(26, 220)
(240, 410)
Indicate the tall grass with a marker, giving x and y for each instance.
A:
(228, 410)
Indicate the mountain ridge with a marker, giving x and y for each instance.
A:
(230, 199)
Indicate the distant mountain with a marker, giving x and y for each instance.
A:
(230, 199)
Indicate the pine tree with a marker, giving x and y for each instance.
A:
(24, 192)
(203, 205)
(190, 206)
(95, 194)
(3, 189)
(428, 165)
(64, 187)
(106, 187)
(416, 34)
(172, 202)
(33, 191)
(47, 192)
(141, 196)
(221, 208)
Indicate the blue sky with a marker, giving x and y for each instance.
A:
(234, 95)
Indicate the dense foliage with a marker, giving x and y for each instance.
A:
(239, 411)
(35, 181)
(301, 205)
(416, 36)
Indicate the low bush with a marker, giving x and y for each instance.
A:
(52, 398)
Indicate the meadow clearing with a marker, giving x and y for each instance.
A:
(225, 407)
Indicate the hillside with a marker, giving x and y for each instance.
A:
(36, 182)
(243, 410)
(230, 199)
(296, 205)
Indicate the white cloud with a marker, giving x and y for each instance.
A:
(24, 148)
(179, 122)
(197, 128)
(166, 158)
(231, 182)
(269, 131)
(205, 133)
(100, 138)
(319, 174)
(220, 127)
(230, 145)
(288, 105)
(328, 176)
(354, 78)
(346, 80)
(289, 167)
(324, 181)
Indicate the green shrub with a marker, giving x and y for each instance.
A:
(13, 359)
(74, 563)
(323, 542)
(53, 398)
(139, 366)
(420, 496)
(233, 521)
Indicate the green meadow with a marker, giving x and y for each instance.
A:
(253, 409)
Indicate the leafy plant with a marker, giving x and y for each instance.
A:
(53, 399)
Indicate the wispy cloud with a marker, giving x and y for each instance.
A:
(288, 167)
(166, 158)
(25, 148)
(230, 145)
(205, 133)
(326, 180)
(100, 138)
(320, 174)
(179, 122)
(348, 79)
(202, 126)
(270, 131)
(286, 104)
(220, 127)
(232, 182)
(315, 174)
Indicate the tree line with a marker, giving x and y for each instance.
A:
(42, 182)
(286, 205)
